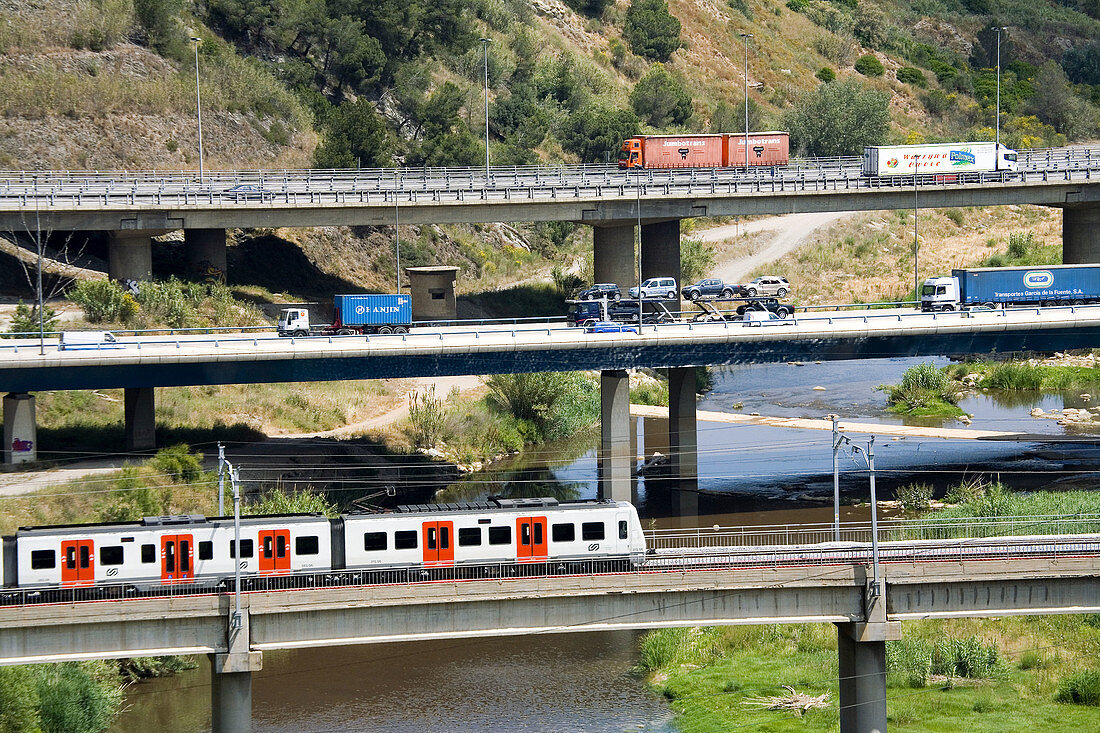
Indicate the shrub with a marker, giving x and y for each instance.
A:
(651, 30)
(839, 119)
(178, 463)
(104, 300)
(798, 6)
(25, 319)
(1082, 688)
(912, 75)
(277, 501)
(825, 74)
(910, 659)
(659, 98)
(696, 260)
(915, 496)
(427, 418)
(955, 215)
(741, 6)
(869, 65)
(969, 657)
(1014, 375)
(922, 387)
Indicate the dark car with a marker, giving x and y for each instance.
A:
(601, 290)
(588, 313)
(249, 192)
(712, 287)
(766, 304)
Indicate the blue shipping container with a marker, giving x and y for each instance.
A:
(1058, 283)
(373, 310)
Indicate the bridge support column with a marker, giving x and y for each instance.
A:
(141, 418)
(861, 648)
(130, 255)
(613, 461)
(231, 683)
(1081, 235)
(206, 253)
(661, 252)
(20, 429)
(613, 255)
(683, 440)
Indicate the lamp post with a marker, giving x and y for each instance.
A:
(746, 36)
(869, 456)
(838, 439)
(485, 45)
(998, 121)
(198, 102)
(916, 241)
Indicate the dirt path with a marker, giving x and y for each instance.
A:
(785, 233)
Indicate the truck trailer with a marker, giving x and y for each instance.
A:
(937, 158)
(720, 150)
(352, 314)
(1003, 287)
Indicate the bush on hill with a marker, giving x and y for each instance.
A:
(839, 119)
(660, 99)
(869, 65)
(651, 30)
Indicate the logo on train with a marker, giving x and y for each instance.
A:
(1036, 279)
(594, 546)
(112, 572)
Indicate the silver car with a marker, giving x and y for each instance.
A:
(766, 285)
(657, 287)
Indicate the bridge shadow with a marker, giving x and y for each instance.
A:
(519, 301)
(280, 266)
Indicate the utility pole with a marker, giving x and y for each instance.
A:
(221, 479)
(638, 240)
(837, 440)
(869, 455)
(746, 36)
(998, 121)
(485, 44)
(916, 241)
(238, 617)
(397, 225)
(198, 102)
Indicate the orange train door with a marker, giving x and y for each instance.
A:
(531, 538)
(177, 557)
(78, 562)
(275, 551)
(438, 543)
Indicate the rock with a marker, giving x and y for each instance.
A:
(738, 405)
(754, 414)
(1036, 412)
(1085, 397)
(795, 363)
(819, 388)
(964, 420)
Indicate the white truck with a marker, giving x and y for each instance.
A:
(937, 158)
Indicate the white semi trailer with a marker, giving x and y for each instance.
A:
(937, 158)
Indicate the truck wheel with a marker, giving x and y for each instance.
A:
(781, 293)
(727, 293)
(301, 334)
(948, 308)
(385, 329)
(617, 297)
(782, 312)
(694, 295)
(991, 305)
(400, 329)
(344, 332)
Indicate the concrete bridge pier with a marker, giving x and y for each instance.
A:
(861, 648)
(20, 429)
(683, 441)
(231, 681)
(661, 253)
(141, 418)
(130, 255)
(614, 459)
(1081, 234)
(613, 255)
(206, 258)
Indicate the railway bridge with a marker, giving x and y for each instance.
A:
(712, 576)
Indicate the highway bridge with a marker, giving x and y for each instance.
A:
(751, 575)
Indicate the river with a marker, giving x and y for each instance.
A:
(585, 682)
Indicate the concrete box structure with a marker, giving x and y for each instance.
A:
(20, 429)
(433, 292)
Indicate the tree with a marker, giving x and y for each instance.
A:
(651, 30)
(912, 75)
(1082, 63)
(1054, 103)
(591, 8)
(825, 75)
(659, 98)
(731, 117)
(840, 118)
(869, 65)
(355, 136)
(595, 132)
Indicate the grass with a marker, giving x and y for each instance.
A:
(1027, 376)
(924, 391)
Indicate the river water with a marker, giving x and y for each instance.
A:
(585, 682)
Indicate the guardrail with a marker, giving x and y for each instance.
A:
(867, 316)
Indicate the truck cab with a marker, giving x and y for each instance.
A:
(1007, 159)
(293, 322)
(940, 294)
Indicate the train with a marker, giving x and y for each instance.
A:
(463, 539)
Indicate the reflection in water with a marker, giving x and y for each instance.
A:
(559, 682)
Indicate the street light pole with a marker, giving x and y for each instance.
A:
(998, 121)
(837, 440)
(746, 36)
(485, 45)
(916, 241)
(198, 102)
(869, 455)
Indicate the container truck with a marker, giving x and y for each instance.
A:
(352, 314)
(1007, 286)
(937, 158)
(720, 150)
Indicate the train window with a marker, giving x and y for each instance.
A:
(500, 535)
(538, 533)
(246, 548)
(206, 550)
(563, 532)
(306, 545)
(374, 541)
(404, 540)
(469, 536)
(622, 530)
(43, 559)
(148, 553)
(592, 531)
(111, 555)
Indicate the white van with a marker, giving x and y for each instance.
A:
(72, 340)
(657, 287)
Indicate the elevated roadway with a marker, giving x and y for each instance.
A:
(228, 359)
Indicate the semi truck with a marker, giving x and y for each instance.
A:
(1002, 287)
(937, 158)
(351, 314)
(719, 150)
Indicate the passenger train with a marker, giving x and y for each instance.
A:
(527, 536)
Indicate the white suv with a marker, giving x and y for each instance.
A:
(768, 285)
(657, 287)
